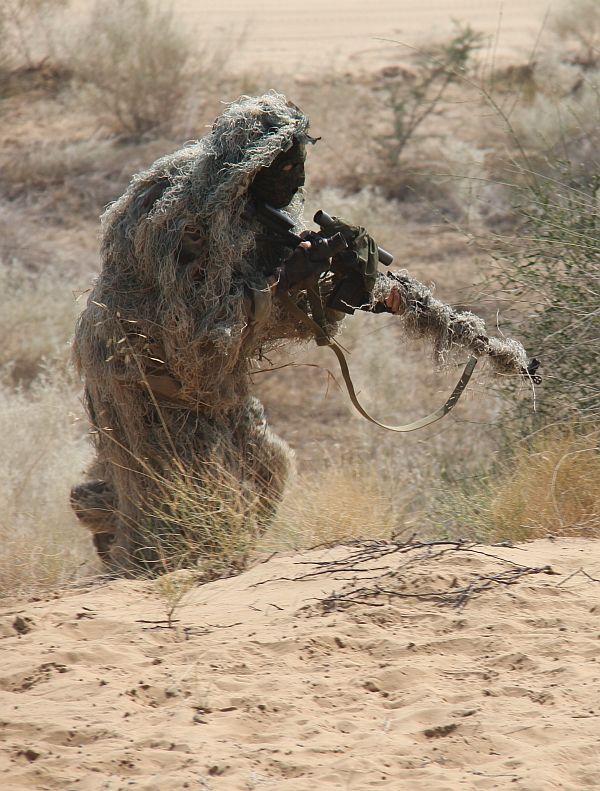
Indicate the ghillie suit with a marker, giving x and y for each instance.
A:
(183, 306)
(165, 344)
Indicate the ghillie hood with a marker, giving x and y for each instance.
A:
(198, 196)
(202, 189)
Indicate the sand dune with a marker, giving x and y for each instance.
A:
(261, 686)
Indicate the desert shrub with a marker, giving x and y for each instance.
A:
(37, 315)
(549, 487)
(26, 31)
(552, 276)
(129, 62)
(409, 97)
(43, 453)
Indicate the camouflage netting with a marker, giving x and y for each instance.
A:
(164, 344)
(449, 330)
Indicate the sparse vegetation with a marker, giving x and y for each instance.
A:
(130, 65)
(136, 70)
(25, 31)
(36, 321)
(44, 448)
(411, 96)
(548, 488)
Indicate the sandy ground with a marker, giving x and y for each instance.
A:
(313, 35)
(346, 33)
(262, 687)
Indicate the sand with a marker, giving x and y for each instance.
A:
(346, 33)
(262, 687)
(280, 36)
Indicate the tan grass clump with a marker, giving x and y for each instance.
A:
(37, 311)
(206, 519)
(552, 489)
(547, 489)
(43, 448)
(341, 502)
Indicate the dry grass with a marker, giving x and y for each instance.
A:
(549, 489)
(338, 503)
(209, 523)
(43, 452)
(49, 165)
(553, 489)
(37, 312)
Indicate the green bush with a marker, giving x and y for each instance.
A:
(553, 277)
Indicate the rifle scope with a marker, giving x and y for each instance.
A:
(323, 220)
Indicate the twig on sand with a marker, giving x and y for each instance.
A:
(581, 571)
(386, 582)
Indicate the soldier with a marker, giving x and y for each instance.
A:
(187, 299)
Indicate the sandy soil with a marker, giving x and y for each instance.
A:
(346, 32)
(262, 687)
(313, 35)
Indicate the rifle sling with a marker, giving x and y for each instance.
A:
(324, 340)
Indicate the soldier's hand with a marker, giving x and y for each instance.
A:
(393, 302)
(299, 267)
(361, 258)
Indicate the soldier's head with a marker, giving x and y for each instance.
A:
(278, 183)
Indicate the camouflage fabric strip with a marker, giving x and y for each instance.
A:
(415, 425)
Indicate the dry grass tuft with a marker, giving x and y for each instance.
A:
(209, 522)
(336, 504)
(548, 489)
(43, 452)
(553, 489)
(37, 313)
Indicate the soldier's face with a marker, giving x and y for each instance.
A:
(278, 183)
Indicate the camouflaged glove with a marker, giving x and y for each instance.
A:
(355, 269)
